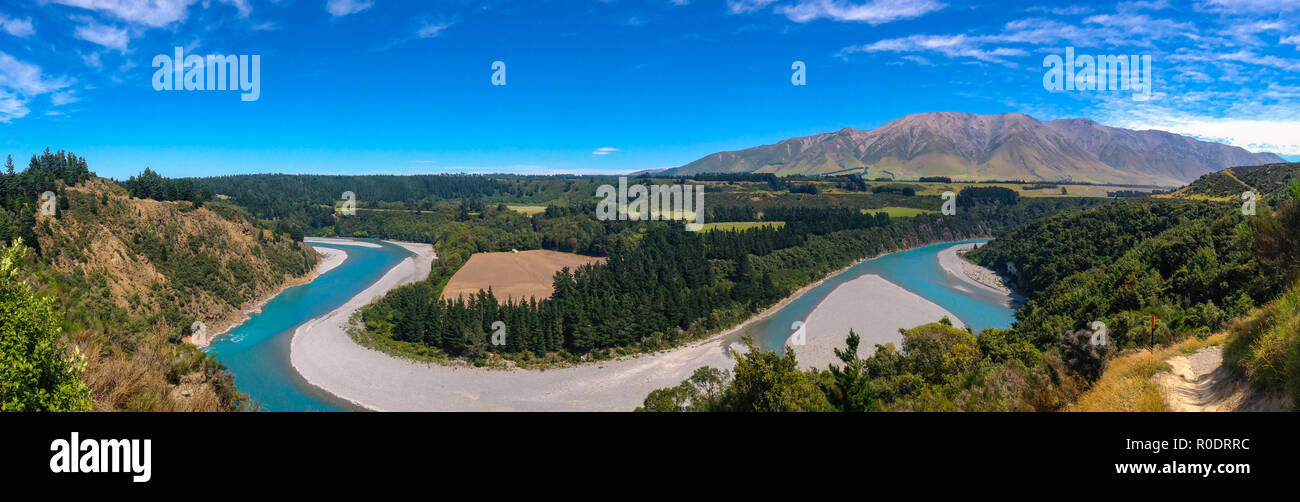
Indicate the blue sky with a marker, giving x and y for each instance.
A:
(382, 86)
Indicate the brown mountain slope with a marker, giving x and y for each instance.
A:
(981, 147)
(131, 275)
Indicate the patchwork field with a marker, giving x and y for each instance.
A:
(899, 212)
(528, 210)
(1046, 189)
(517, 276)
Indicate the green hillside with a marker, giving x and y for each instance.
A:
(129, 276)
(1269, 181)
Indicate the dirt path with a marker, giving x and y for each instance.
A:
(1200, 382)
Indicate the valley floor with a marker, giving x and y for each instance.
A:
(872, 307)
(324, 353)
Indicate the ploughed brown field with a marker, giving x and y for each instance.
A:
(517, 276)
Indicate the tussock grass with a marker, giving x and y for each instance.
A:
(1266, 345)
(1126, 385)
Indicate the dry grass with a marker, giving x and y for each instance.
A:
(1266, 345)
(1126, 385)
(518, 276)
(149, 378)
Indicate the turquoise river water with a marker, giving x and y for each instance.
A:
(257, 352)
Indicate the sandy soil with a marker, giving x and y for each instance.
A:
(976, 275)
(1200, 382)
(518, 276)
(872, 307)
(342, 241)
(331, 258)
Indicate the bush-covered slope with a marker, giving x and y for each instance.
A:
(129, 277)
(1268, 181)
(1187, 267)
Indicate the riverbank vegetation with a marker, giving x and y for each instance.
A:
(127, 277)
(1187, 268)
(660, 286)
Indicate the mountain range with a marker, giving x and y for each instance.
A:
(1009, 146)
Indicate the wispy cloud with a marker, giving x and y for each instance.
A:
(1249, 6)
(430, 30)
(604, 150)
(1279, 136)
(21, 28)
(63, 98)
(743, 6)
(152, 13)
(19, 83)
(338, 8)
(872, 12)
(102, 34)
(952, 46)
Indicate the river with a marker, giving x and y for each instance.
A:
(916, 270)
(257, 352)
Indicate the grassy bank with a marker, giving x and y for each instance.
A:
(1266, 345)
(1127, 384)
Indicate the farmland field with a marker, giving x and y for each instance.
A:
(516, 276)
(528, 210)
(899, 212)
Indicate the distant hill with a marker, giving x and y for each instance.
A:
(1268, 181)
(1008, 146)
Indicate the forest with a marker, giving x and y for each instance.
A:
(116, 281)
(660, 287)
(1187, 266)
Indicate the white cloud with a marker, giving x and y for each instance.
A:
(92, 60)
(1249, 6)
(1073, 10)
(153, 13)
(21, 28)
(338, 8)
(953, 46)
(1293, 40)
(872, 12)
(63, 98)
(107, 36)
(19, 83)
(12, 107)
(1277, 136)
(1249, 57)
(431, 30)
(743, 6)
(604, 150)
